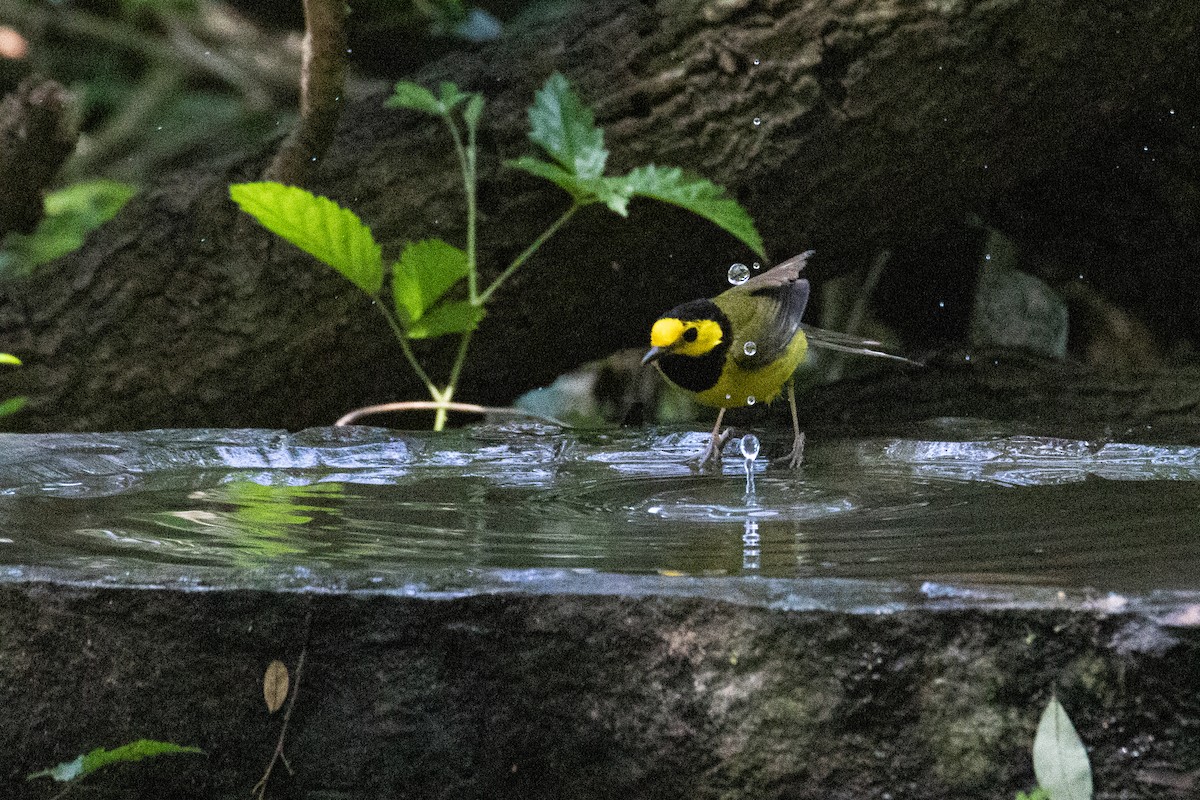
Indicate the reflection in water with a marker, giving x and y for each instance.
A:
(367, 507)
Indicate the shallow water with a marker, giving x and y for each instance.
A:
(953, 504)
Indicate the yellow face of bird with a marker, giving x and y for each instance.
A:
(685, 337)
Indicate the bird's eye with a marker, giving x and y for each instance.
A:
(690, 335)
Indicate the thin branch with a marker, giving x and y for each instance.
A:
(466, 163)
(439, 421)
(434, 405)
(402, 338)
(521, 259)
(838, 363)
(260, 788)
(322, 82)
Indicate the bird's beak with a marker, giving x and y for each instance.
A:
(652, 354)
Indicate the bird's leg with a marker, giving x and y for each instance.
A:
(795, 458)
(713, 451)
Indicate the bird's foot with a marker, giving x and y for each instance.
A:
(712, 452)
(794, 459)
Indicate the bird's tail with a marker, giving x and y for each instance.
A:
(846, 343)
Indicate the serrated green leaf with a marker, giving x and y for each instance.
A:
(12, 405)
(566, 129)
(473, 111)
(456, 317)
(698, 195)
(318, 226)
(1060, 760)
(426, 270)
(101, 757)
(414, 96)
(613, 192)
(9, 358)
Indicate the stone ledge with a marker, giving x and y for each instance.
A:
(569, 695)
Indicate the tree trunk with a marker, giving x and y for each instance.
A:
(848, 126)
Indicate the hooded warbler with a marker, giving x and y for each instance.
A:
(743, 346)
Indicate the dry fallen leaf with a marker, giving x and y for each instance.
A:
(275, 685)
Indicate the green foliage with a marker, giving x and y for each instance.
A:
(71, 214)
(1060, 761)
(318, 226)
(101, 757)
(566, 129)
(427, 270)
(1037, 794)
(13, 404)
(425, 303)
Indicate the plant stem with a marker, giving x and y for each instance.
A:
(406, 347)
(466, 163)
(521, 259)
(439, 421)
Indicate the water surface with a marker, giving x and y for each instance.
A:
(951, 505)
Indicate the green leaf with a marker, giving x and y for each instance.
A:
(100, 758)
(1060, 760)
(414, 96)
(426, 271)
(71, 214)
(698, 195)
(1037, 794)
(456, 317)
(318, 226)
(450, 96)
(612, 192)
(566, 129)
(12, 405)
(9, 358)
(473, 111)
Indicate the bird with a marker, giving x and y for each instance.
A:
(743, 347)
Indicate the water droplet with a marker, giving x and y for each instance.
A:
(756, 265)
(728, 397)
(987, 256)
(757, 121)
(739, 274)
(750, 348)
(749, 447)
(751, 400)
(941, 303)
(757, 62)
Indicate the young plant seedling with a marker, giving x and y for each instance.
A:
(424, 302)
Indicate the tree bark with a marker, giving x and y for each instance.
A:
(880, 125)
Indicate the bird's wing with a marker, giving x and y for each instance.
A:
(766, 310)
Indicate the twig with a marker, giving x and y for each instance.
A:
(260, 788)
(859, 310)
(432, 405)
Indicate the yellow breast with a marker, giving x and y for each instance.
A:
(736, 386)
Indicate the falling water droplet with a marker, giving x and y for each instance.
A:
(738, 274)
(751, 400)
(757, 62)
(756, 265)
(757, 121)
(750, 348)
(750, 447)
